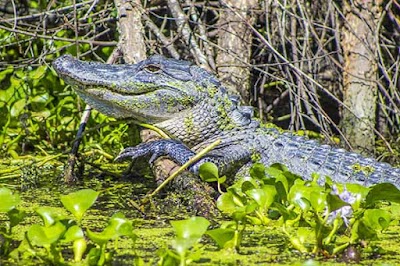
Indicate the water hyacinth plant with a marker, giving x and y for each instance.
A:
(188, 234)
(323, 219)
(46, 241)
(8, 204)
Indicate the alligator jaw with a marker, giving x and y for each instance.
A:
(118, 78)
(124, 91)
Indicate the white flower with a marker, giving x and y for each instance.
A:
(346, 211)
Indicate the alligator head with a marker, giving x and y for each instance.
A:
(178, 97)
(154, 90)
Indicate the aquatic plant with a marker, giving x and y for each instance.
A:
(325, 219)
(209, 173)
(117, 226)
(79, 202)
(188, 234)
(315, 218)
(58, 231)
(8, 204)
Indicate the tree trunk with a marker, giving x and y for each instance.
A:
(131, 31)
(235, 39)
(359, 39)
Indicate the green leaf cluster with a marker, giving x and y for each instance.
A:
(47, 240)
(316, 218)
(188, 234)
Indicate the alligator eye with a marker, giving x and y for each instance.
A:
(153, 68)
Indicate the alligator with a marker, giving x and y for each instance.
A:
(194, 109)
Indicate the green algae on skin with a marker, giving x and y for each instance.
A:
(367, 169)
(189, 122)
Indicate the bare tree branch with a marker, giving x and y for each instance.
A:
(184, 29)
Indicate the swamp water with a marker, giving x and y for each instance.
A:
(261, 245)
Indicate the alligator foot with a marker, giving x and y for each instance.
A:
(176, 150)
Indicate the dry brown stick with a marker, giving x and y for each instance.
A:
(41, 36)
(187, 34)
(203, 34)
(167, 43)
(47, 12)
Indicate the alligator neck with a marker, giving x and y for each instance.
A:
(208, 118)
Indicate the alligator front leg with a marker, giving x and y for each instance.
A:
(155, 149)
(174, 149)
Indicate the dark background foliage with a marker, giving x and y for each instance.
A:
(288, 59)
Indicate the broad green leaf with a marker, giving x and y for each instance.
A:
(101, 238)
(270, 192)
(259, 196)
(15, 82)
(251, 206)
(117, 226)
(93, 256)
(42, 98)
(39, 116)
(360, 231)
(257, 171)
(373, 221)
(188, 232)
(230, 203)
(248, 185)
(241, 215)
(192, 227)
(121, 225)
(37, 74)
(222, 179)
(16, 216)
(79, 202)
(20, 73)
(318, 200)
(43, 236)
(292, 178)
(49, 215)
(17, 107)
(222, 236)
(334, 202)
(8, 200)
(383, 191)
(208, 172)
(299, 195)
(4, 73)
(274, 170)
(73, 233)
(6, 95)
(377, 219)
